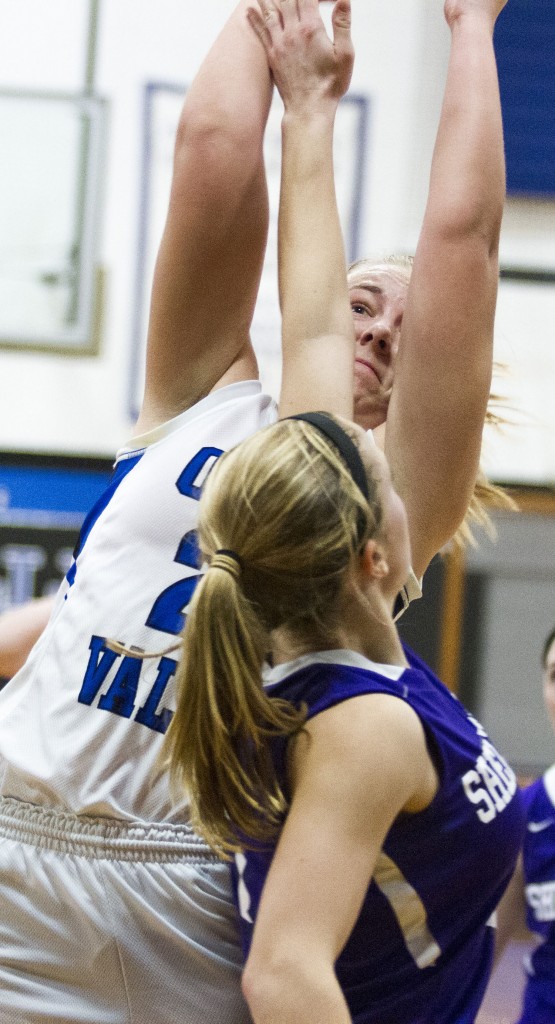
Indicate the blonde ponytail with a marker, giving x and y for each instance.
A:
(281, 522)
(217, 742)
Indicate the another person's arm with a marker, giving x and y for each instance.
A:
(20, 628)
(511, 914)
(443, 372)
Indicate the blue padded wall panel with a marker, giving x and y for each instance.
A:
(525, 47)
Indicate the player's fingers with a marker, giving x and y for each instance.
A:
(259, 26)
(341, 24)
(289, 11)
(264, 19)
(271, 13)
(307, 7)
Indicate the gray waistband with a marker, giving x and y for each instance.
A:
(101, 838)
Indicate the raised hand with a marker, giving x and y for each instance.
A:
(308, 67)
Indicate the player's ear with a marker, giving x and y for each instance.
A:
(373, 562)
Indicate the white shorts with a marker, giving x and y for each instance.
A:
(110, 923)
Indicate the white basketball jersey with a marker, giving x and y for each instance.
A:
(81, 727)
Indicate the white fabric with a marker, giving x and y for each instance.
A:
(411, 591)
(56, 751)
(89, 939)
(339, 656)
(549, 783)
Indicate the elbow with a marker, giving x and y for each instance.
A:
(210, 129)
(207, 141)
(478, 228)
(216, 158)
(483, 231)
(260, 986)
(265, 981)
(484, 228)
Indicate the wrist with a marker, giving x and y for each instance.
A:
(312, 118)
(459, 16)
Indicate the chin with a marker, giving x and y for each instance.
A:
(369, 417)
(370, 408)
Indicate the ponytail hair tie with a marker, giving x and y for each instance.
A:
(227, 560)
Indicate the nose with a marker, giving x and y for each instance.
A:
(378, 337)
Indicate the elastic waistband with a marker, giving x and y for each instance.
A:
(101, 838)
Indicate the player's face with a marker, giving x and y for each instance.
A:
(394, 533)
(378, 295)
(549, 683)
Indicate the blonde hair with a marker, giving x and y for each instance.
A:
(397, 261)
(486, 495)
(284, 503)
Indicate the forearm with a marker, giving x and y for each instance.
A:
(511, 914)
(311, 73)
(219, 178)
(467, 181)
(312, 278)
(298, 990)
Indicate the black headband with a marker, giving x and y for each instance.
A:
(346, 447)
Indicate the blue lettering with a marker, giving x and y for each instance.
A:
(100, 663)
(120, 698)
(166, 613)
(188, 551)
(147, 715)
(188, 484)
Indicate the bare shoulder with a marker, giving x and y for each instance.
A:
(372, 747)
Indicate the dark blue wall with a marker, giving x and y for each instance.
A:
(525, 47)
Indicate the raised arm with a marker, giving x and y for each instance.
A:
(443, 371)
(210, 259)
(312, 73)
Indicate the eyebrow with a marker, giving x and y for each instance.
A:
(369, 288)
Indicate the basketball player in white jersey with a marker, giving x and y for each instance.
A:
(111, 909)
(81, 725)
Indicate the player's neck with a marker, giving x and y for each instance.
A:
(365, 628)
